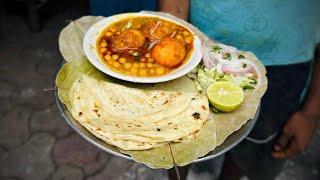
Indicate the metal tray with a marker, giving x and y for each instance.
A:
(228, 144)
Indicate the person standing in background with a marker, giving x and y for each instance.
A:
(284, 35)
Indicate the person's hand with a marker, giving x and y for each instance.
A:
(295, 136)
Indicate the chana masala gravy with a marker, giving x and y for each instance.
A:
(144, 46)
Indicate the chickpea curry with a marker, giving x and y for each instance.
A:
(144, 46)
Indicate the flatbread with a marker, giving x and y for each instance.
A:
(135, 115)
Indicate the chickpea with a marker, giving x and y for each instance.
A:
(136, 65)
(103, 44)
(185, 33)
(134, 71)
(116, 64)
(160, 70)
(109, 52)
(108, 34)
(103, 50)
(149, 65)
(127, 65)
(142, 65)
(179, 37)
(110, 62)
(147, 55)
(143, 72)
(107, 57)
(117, 33)
(122, 60)
(150, 59)
(115, 57)
(138, 26)
(152, 71)
(188, 40)
(143, 59)
(113, 30)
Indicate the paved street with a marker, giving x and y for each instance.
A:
(36, 143)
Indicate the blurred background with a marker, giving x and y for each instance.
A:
(35, 142)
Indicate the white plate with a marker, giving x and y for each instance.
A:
(89, 46)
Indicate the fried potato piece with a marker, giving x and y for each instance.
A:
(155, 30)
(128, 39)
(170, 52)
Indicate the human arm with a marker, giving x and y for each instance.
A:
(179, 8)
(297, 132)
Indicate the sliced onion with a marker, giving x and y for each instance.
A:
(256, 69)
(219, 58)
(152, 44)
(227, 48)
(208, 58)
(233, 66)
(173, 34)
(219, 68)
(155, 27)
(237, 70)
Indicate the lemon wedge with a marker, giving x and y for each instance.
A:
(225, 96)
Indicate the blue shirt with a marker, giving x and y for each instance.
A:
(111, 7)
(277, 31)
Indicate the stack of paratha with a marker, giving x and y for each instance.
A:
(136, 119)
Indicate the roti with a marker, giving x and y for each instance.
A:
(134, 115)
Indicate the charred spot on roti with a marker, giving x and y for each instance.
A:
(117, 125)
(78, 97)
(193, 98)
(98, 129)
(203, 107)
(158, 129)
(196, 115)
(180, 139)
(80, 113)
(165, 102)
(169, 123)
(96, 111)
(175, 128)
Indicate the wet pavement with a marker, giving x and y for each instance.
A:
(36, 143)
